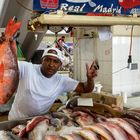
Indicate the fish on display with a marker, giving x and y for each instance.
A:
(39, 131)
(9, 74)
(17, 129)
(126, 126)
(115, 130)
(83, 118)
(100, 130)
(31, 125)
(134, 123)
(132, 114)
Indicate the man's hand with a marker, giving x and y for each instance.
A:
(2, 38)
(91, 71)
(88, 86)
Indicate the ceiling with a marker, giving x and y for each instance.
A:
(23, 11)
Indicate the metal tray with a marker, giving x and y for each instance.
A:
(8, 125)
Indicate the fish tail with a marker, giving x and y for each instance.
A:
(12, 28)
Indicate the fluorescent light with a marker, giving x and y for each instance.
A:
(59, 33)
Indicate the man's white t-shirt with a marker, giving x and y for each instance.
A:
(36, 93)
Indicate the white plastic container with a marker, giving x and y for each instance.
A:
(97, 87)
(124, 94)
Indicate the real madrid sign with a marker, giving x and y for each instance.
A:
(101, 7)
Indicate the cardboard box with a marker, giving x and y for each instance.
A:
(105, 98)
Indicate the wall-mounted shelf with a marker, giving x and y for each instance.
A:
(82, 20)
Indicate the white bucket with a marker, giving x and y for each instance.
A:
(98, 88)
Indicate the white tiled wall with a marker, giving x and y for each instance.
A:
(125, 80)
(104, 55)
(84, 53)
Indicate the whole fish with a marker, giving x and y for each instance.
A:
(83, 118)
(126, 126)
(8, 63)
(134, 123)
(34, 122)
(39, 132)
(132, 114)
(17, 129)
(100, 130)
(115, 130)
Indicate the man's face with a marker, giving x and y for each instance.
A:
(50, 65)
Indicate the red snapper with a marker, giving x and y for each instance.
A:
(8, 63)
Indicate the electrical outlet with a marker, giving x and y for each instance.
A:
(134, 66)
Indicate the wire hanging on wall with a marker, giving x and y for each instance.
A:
(130, 51)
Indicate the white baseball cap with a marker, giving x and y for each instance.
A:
(58, 54)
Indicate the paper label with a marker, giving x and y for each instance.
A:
(85, 102)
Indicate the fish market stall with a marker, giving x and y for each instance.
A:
(99, 121)
(93, 116)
